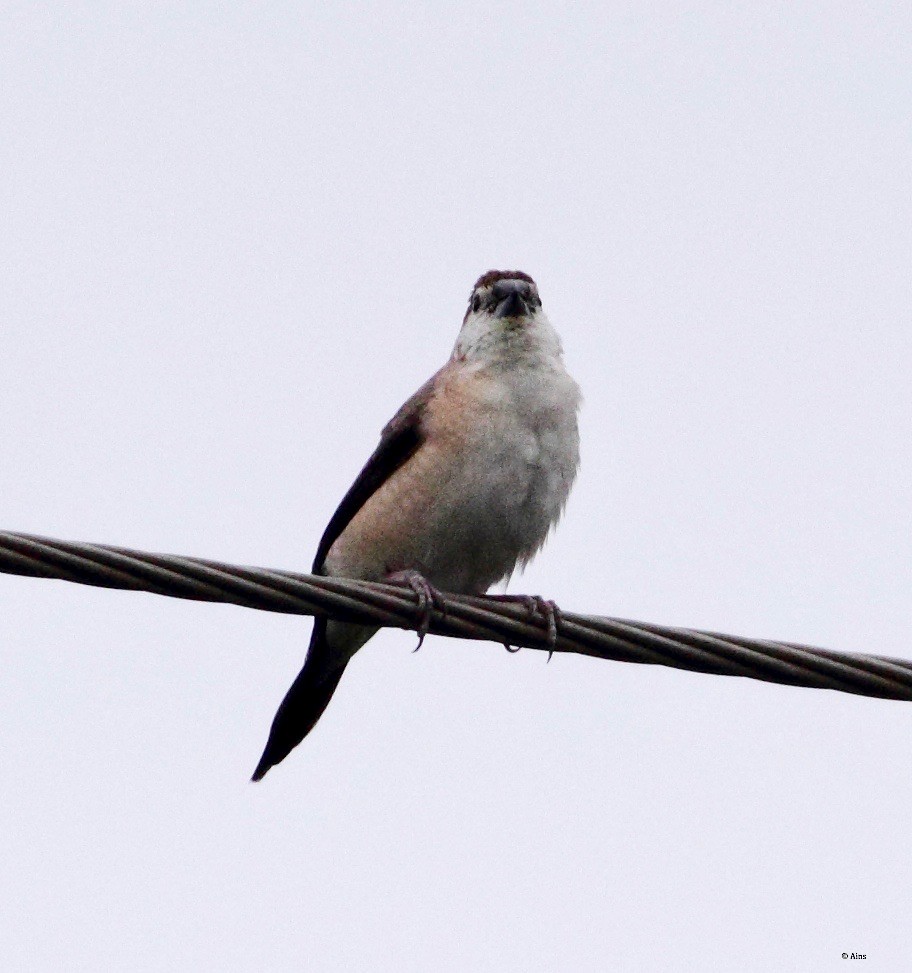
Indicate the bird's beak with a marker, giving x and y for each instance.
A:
(512, 306)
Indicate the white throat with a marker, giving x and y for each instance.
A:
(508, 341)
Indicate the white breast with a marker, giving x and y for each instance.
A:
(481, 493)
(509, 447)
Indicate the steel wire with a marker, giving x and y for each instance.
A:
(462, 616)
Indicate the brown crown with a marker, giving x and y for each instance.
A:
(492, 276)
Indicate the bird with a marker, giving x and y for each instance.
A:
(469, 478)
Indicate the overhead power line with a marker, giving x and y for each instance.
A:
(462, 616)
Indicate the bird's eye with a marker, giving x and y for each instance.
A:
(476, 302)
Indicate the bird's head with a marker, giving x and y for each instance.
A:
(508, 295)
(504, 312)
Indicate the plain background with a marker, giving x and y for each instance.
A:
(235, 238)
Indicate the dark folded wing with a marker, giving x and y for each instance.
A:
(401, 436)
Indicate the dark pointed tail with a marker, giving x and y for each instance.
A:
(304, 703)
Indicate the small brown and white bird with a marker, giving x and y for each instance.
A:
(469, 477)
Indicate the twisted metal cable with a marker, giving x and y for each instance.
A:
(462, 616)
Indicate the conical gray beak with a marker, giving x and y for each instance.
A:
(512, 306)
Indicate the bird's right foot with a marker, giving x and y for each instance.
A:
(429, 598)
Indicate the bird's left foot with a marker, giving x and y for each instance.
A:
(536, 605)
(429, 598)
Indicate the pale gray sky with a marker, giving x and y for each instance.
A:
(235, 238)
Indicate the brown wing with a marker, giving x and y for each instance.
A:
(401, 436)
(311, 692)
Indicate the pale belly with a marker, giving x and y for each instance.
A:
(481, 493)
